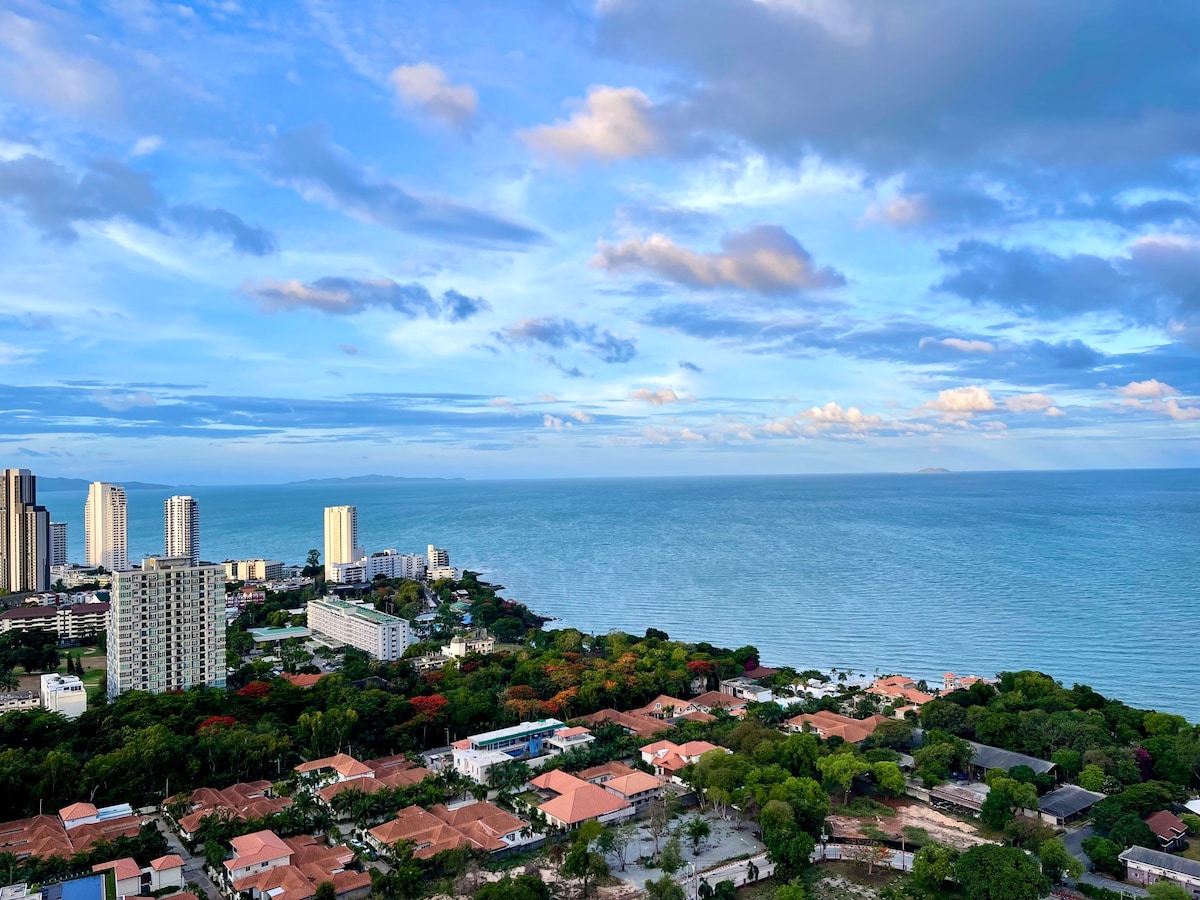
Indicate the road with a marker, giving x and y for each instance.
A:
(734, 871)
(193, 866)
(1073, 840)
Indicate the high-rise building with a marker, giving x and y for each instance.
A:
(341, 535)
(359, 625)
(104, 528)
(58, 544)
(166, 627)
(24, 535)
(181, 528)
(437, 557)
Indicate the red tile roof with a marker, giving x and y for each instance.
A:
(1166, 825)
(631, 785)
(342, 763)
(587, 802)
(479, 825)
(302, 681)
(557, 781)
(608, 770)
(643, 726)
(256, 847)
(170, 861)
(122, 868)
(828, 724)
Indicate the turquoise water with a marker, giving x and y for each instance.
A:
(1090, 576)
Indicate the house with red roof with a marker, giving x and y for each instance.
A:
(669, 758)
(481, 826)
(267, 867)
(584, 803)
(240, 802)
(664, 708)
(162, 874)
(338, 767)
(638, 789)
(1168, 828)
(827, 725)
(899, 687)
(632, 723)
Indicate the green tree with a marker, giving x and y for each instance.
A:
(520, 887)
(671, 858)
(1091, 778)
(793, 890)
(1057, 862)
(1069, 762)
(888, 778)
(325, 891)
(933, 865)
(1104, 854)
(664, 888)
(992, 872)
(841, 769)
(697, 830)
(1130, 830)
(1168, 890)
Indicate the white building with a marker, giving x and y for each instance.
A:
(64, 694)
(437, 557)
(462, 645)
(475, 756)
(58, 545)
(389, 563)
(104, 527)
(441, 572)
(253, 569)
(24, 535)
(15, 700)
(341, 535)
(76, 622)
(359, 625)
(166, 627)
(181, 529)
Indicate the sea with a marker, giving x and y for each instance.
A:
(1092, 577)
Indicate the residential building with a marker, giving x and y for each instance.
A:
(437, 557)
(668, 758)
(181, 529)
(665, 708)
(266, 867)
(76, 829)
(986, 757)
(566, 739)
(480, 826)
(1146, 866)
(463, 645)
(104, 527)
(166, 627)
(642, 726)
(341, 535)
(162, 874)
(827, 725)
(239, 802)
(359, 625)
(77, 622)
(1065, 805)
(388, 563)
(474, 756)
(1169, 829)
(711, 701)
(24, 535)
(606, 772)
(58, 545)
(253, 569)
(15, 700)
(897, 687)
(440, 572)
(576, 801)
(637, 789)
(340, 767)
(64, 694)
(952, 682)
(747, 689)
(74, 575)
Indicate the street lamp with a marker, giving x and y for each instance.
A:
(824, 841)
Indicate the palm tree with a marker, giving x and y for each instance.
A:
(8, 681)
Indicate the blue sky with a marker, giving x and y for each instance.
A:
(258, 241)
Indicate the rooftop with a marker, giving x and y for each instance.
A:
(1067, 801)
(1162, 860)
(586, 802)
(517, 731)
(360, 612)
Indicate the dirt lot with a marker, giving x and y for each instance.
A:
(841, 881)
(941, 828)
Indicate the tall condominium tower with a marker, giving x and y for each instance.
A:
(58, 543)
(104, 531)
(24, 534)
(341, 535)
(437, 557)
(181, 528)
(166, 627)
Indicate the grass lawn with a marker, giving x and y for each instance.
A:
(1192, 851)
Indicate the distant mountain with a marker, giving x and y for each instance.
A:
(367, 480)
(933, 471)
(45, 483)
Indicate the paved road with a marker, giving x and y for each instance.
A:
(193, 866)
(1073, 840)
(734, 871)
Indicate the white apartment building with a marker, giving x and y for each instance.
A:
(15, 700)
(75, 622)
(388, 563)
(58, 545)
(24, 535)
(104, 527)
(64, 694)
(341, 535)
(166, 627)
(437, 557)
(253, 569)
(436, 574)
(359, 625)
(181, 529)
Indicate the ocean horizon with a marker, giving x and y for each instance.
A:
(1085, 575)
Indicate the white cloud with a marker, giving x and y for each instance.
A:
(962, 401)
(611, 124)
(656, 398)
(824, 418)
(765, 259)
(1151, 388)
(505, 403)
(122, 400)
(963, 346)
(1022, 403)
(147, 145)
(580, 416)
(425, 87)
(554, 423)
(900, 211)
(42, 72)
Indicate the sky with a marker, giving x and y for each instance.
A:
(255, 241)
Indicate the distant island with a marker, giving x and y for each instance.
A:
(367, 480)
(81, 484)
(937, 470)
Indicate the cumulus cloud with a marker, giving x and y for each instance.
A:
(962, 401)
(1151, 388)
(660, 397)
(611, 124)
(56, 202)
(765, 260)
(816, 419)
(147, 145)
(1022, 403)
(560, 333)
(554, 423)
(426, 87)
(964, 346)
(320, 170)
(348, 296)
